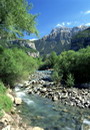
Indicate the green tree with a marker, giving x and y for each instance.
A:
(70, 80)
(16, 19)
(51, 60)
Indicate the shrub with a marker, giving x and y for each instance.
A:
(15, 64)
(70, 80)
(74, 63)
(49, 61)
(56, 77)
(2, 88)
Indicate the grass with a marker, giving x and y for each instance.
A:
(5, 101)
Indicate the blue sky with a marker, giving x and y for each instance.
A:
(55, 13)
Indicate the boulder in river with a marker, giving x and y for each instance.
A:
(18, 101)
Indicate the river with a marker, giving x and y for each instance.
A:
(42, 112)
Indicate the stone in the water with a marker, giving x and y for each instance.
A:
(55, 98)
(86, 125)
(37, 128)
(18, 101)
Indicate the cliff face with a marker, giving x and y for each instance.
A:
(26, 45)
(58, 40)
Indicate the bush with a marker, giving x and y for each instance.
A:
(49, 61)
(2, 88)
(74, 63)
(15, 64)
(56, 77)
(70, 80)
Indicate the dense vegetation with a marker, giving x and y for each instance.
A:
(15, 64)
(49, 61)
(71, 67)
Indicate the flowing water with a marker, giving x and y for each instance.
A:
(42, 112)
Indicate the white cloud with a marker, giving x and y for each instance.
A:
(85, 12)
(69, 23)
(63, 24)
(87, 24)
(33, 39)
(58, 25)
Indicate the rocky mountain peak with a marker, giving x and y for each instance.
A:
(58, 40)
(61, 28)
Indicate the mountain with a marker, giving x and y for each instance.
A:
(27, 45)
(58, 40)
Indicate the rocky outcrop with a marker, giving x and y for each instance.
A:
(33, 54)
(28, 45)
(24, 43)
(58, 40)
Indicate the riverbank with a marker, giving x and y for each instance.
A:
(41, 84)
(12, 120)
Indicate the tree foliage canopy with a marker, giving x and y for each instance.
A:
(15, 18)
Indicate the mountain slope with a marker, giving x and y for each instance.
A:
(58, 40)
(81, 40)
(26, 45)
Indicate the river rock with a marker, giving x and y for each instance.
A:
(18, 101)
(26, 83)
(37, 128)
(55, 98)
(10, 96)
(7, 128)
(43, 90)
(6, 119)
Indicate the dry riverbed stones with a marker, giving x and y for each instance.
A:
(70, 96)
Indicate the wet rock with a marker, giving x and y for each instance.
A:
(37, 128)
(18, 101)
(55, 98)
(43, 90)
